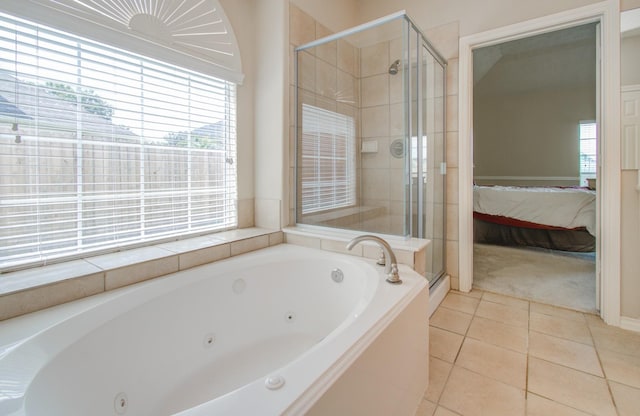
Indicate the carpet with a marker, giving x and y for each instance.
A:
(545, 276)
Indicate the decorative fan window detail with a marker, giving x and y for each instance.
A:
(194, 34)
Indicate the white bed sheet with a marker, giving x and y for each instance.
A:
(559, 207)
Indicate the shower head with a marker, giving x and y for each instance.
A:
(393, 69)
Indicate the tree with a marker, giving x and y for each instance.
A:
(91, 102)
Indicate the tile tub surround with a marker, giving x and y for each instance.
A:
(409, 251)
(34, 289)
(497, 355)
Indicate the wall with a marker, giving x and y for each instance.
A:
(630, 60)
(538, 130)
(241, 16)
(630, 209)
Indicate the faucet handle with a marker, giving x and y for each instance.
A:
(394, 276)
(381, 260)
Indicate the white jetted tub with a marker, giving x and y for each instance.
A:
(284, 330)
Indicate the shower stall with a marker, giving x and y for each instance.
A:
(370, 134)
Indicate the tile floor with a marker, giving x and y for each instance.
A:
(496, 355)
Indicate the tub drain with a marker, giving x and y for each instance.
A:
(120, 403)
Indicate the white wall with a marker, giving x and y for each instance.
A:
(241, 15)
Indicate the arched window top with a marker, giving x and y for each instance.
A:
(194, 34)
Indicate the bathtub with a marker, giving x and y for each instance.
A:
(281, 331)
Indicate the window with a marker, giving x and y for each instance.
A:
(101, 148)
(588, 151)
(328, 171)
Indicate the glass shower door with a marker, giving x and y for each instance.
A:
(432, 219)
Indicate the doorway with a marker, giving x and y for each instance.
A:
(608, 267)
(535, 166)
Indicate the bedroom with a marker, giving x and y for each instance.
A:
(534, 161)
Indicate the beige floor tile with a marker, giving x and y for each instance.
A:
(570, 387)
(444, 344)
(503, 313)
(466, 304)
(438, 374)
(500, 334)
(622, 368)
(506, 300)
(616, 340)
(558, 312)
(627, 399)
(503, 365)
(539, 406)
(474, 293)
(565, 352)
(560, 327)
(426, 408)
(451, 320)
(441, 411)
(471, 394)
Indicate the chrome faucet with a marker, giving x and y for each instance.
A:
(391, 264)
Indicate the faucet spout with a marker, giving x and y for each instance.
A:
(391, 264)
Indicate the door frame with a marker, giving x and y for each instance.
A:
(607, 13)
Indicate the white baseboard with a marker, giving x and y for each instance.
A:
(632, 324)
(438, 292)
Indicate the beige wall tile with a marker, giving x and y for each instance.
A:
(249, 244)
(30, 300)
(441, 411)
(302, 240)
(375, 121)
(347, 57)
(326, 79)
(302, 27)
(140, 272)
(374, 90)
(276, 238)
(204, 256)
(452, 149)
(374, 59)
(328, 52)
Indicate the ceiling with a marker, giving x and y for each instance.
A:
(563, 58)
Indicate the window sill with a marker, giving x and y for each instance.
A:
(26, 291)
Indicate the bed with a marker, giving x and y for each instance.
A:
(547, 217)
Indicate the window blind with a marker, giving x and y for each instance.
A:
(102, 148)
(328, 174)
(588, 151)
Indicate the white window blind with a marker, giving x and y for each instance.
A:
(328, 150)
(588, 151)
(101, 148)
